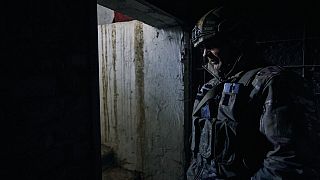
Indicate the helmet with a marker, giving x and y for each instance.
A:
(213, 24)
(225, 27)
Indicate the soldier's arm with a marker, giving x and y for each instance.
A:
(278, 123)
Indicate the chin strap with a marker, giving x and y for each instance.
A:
(234, 66)
(214, 75)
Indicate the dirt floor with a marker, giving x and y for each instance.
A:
(118, 173)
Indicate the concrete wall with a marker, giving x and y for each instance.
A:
(141, 90)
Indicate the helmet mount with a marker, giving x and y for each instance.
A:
(207, 27)
(219, 23)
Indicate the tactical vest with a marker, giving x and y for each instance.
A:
(215, 136)
(229, 140)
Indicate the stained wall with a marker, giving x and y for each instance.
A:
(141, 91)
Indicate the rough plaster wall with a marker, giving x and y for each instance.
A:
(141, 90)
(164, 103)
(117, 90)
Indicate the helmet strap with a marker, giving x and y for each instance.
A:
(234, 65)
(214, 75)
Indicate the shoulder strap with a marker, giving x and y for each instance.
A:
(245, 80)
(248, 76)
(208, 96)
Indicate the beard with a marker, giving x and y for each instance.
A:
(214, 68)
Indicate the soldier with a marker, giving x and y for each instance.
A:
(250, 121)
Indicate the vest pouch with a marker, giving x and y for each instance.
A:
(205, 143)
(225, 140)
(226, 124)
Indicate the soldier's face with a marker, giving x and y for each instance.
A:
(219, 57)
(214, 59)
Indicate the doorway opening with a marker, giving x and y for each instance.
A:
(141, 79)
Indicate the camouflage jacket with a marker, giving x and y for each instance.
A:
(259, 125)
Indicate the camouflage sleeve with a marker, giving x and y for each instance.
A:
(282, 124)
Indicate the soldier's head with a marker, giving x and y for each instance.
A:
(224, 39)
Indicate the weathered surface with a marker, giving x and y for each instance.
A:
(141, 90)
(164, 104)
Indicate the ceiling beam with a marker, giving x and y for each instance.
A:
(142, 11)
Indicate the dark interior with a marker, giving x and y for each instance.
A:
(49, 86)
